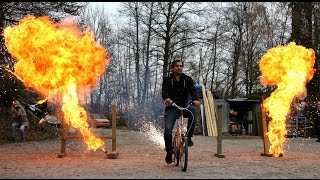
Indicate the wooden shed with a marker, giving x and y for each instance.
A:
(248, 113)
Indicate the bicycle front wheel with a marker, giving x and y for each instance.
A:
(183, 157)
(176, 150)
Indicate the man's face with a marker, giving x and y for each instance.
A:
(177, 68)
(318, 104)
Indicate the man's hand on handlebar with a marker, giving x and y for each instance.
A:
(196, 103)
(168, 102)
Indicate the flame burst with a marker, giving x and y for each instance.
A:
(58, 59)
(289, 68)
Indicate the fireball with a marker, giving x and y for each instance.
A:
(288, 68)
(58, 59)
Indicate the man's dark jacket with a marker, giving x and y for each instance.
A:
(178, 91)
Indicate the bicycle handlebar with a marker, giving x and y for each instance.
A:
(179, 107)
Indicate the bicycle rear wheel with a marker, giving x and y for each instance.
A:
(183, 157)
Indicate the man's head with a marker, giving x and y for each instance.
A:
(16, 104)
(177, 67)
(318, 104)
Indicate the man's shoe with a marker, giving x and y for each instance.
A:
(190, 143)
(169, 158)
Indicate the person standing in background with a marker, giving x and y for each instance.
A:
(20, 119)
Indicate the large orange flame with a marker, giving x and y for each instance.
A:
(289, 68)
(58, 58)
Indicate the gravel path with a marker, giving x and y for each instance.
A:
(141, 158)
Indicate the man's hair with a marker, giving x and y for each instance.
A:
(175, 61)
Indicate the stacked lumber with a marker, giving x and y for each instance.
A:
(210, 112)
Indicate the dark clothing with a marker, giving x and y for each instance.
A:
(316, 119)
(179, 92)
(170, 117)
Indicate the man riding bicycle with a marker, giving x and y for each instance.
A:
(178, 87)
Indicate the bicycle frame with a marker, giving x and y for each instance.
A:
(180, 141)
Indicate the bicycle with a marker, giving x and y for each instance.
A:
(180, 139)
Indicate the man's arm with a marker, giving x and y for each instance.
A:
(14, 112)
(165, 89)
(22, 112)
(165, 92)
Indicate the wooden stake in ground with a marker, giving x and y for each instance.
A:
(264, 131)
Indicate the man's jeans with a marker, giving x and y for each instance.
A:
(21, 128)
(170, 116)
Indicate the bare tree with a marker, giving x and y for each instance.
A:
(255, 29)
(169, 27)
(232, 38)
(150, 19)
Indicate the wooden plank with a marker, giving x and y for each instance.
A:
(207, 111)
(208, 115)
(212, 112)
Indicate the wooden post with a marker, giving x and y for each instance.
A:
(114, 125)
(113, 154)
(219, 136)
(63, 140)
(110, 155)
(264, 131)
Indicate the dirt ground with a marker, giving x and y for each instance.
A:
(141, 158)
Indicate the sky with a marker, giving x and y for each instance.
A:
(110, 7)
